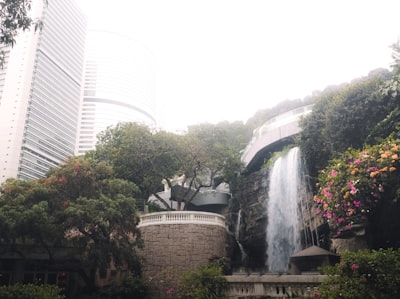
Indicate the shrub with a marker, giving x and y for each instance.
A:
(207, 282)
(30, 291)
(365, 274)
(129, 288)
(354, 185)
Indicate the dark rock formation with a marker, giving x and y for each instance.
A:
(251, 202)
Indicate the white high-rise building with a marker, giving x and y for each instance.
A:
(40, 91)
(119, 86)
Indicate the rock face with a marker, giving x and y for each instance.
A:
(252, 236)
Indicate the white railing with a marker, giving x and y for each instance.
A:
(181, 217)
(273, 286)
(281, 126)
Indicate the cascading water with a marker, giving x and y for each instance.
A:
(237, 236)
(283, 225)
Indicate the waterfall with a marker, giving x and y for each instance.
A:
(237, 236)
(283, 225)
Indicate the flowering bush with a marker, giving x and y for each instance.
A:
(363, 274)
(352, 186)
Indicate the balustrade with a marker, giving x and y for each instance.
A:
(181, 217)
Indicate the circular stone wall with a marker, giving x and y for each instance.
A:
(175, 242)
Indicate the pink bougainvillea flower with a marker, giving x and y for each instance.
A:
(357, 161)
(334, 173)
(357, 203)
(353, 190)
(353, 267)
(326, 192)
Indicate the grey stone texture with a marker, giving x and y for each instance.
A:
(172, 249)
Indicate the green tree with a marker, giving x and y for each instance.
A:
(14, 17)
(355, 113)
(214, 155)
(81, 207)
(347, 116)
(203, 156)
(141, 156)
(313, 141)
(363, 274)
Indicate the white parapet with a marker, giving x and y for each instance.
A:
(181, 217)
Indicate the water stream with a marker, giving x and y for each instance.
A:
(237, 236)
(283, 225)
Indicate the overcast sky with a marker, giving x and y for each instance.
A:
(225, 59)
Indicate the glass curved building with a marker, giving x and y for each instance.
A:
(119, 86)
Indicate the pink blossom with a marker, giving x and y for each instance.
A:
(334, 173)
(356, 203)
(326, 192)
(353, 190)
(170, 291)
(357, 161)
(353, 267)
(340, 220)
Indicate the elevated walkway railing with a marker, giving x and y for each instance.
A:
(181, 217)
(277, 128)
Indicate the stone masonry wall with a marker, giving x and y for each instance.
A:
(172, 249)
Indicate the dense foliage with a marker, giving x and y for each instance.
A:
(347, 116)
(80, 206)
(206, 282)
(200, 157)
(363, 275)
(30, 291)
(352, 186)
(126, 289)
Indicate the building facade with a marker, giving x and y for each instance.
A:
(40, 91)
(119, 86)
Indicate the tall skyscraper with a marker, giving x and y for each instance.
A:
(40, 90)
(119, 86)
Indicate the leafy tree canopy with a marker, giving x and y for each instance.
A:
(80, 206)
(14, 18)
(147, 158)
(141, 156)
(349, 116)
